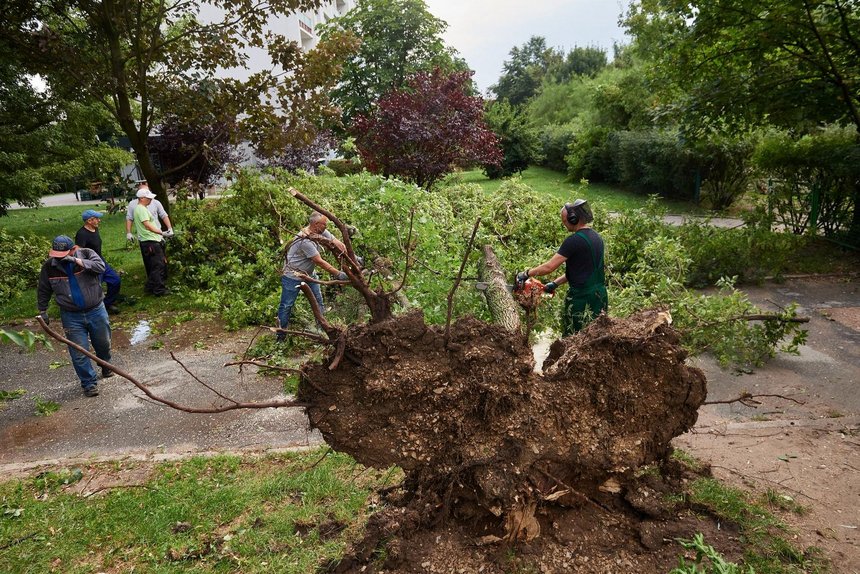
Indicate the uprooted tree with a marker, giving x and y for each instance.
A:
(481, 436)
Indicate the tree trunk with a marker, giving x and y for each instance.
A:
(503, 309)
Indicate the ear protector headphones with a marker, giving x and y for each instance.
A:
(578, 211)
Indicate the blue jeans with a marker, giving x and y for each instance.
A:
(81, 327)
(111, 278)
(289, 292)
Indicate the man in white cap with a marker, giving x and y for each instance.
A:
(71, 274)
(88, 236)
(155, 208)
(151, 245)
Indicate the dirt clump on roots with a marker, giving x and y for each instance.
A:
(496, 455)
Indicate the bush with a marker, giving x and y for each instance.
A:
(653, 162)
(20, 263)
(813, 181)
(518, 142)
(725, 169)
(555, 141)
(342, 167)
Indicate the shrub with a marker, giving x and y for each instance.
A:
(518, 142)
(725, 168)
(20, 262)
(342, 167)
(814, 180)
(653, 162)
(555, 141)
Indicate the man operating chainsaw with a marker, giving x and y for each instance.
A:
(582, 254)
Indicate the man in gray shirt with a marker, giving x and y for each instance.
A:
(302, 258)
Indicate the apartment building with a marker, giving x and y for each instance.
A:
(302, 26)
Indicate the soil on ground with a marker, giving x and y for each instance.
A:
(497, 456)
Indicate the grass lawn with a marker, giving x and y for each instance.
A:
(48, 222)
(279, 513)
(555, 183)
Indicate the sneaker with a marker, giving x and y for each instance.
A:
(92, 391)
(112, 309)
(107, 373)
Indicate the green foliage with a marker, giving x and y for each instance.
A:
(555, 141)
(724, 162)
(518, 142)
(715, 563)
(342, 167)
(6, 396)
(651, 263)
(818, 173)
(398, 39)
(652, 162)
(20, 261)
(230, 254)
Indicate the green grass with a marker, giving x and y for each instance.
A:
(283, 513)
(555, 183)
(48, 222)
(762, 533)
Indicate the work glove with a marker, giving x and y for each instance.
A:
(550, 287)
(70, 259)
(169, 233)
(129, 237)
(44, 316)
(520, 280)
(359, 260)
(342, 276)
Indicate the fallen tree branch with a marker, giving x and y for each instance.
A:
(748, 399)
(196, 378)
(332, 332)
(459, 278)
(263, 366)
(127, 376)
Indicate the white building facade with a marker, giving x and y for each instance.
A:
(302, 26)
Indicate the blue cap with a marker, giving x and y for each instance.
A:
(90, 213)
(60, 246)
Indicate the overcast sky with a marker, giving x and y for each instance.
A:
(484, 31)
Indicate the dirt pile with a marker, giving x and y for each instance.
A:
(483, 438)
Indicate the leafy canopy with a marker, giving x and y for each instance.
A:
(420, 133)
(398, 39)
(140, 59)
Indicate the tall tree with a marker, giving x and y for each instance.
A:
(523, 73)
(796, 62)
(421, 132)
(398, 39)
(45, 142)
(140, 58)
(519, 143)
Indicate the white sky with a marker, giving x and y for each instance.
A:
(484, 31)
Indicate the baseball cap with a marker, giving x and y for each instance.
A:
(91, 213)
(61, 246)
(144, 193)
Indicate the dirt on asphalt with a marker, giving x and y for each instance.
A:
(807, 451)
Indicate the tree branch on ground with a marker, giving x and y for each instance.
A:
(187, 409)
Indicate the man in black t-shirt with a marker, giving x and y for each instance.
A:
(88, 236)
(582, 254)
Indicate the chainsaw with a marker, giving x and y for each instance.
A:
(529, 297)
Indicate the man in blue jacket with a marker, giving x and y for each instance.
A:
(72, 275)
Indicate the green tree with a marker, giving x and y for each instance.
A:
(519, 143)
(797, 62)
(581, 61)
(398, 39)
(794, 63)
(45, 141)
(523, 73)
(139, 59)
